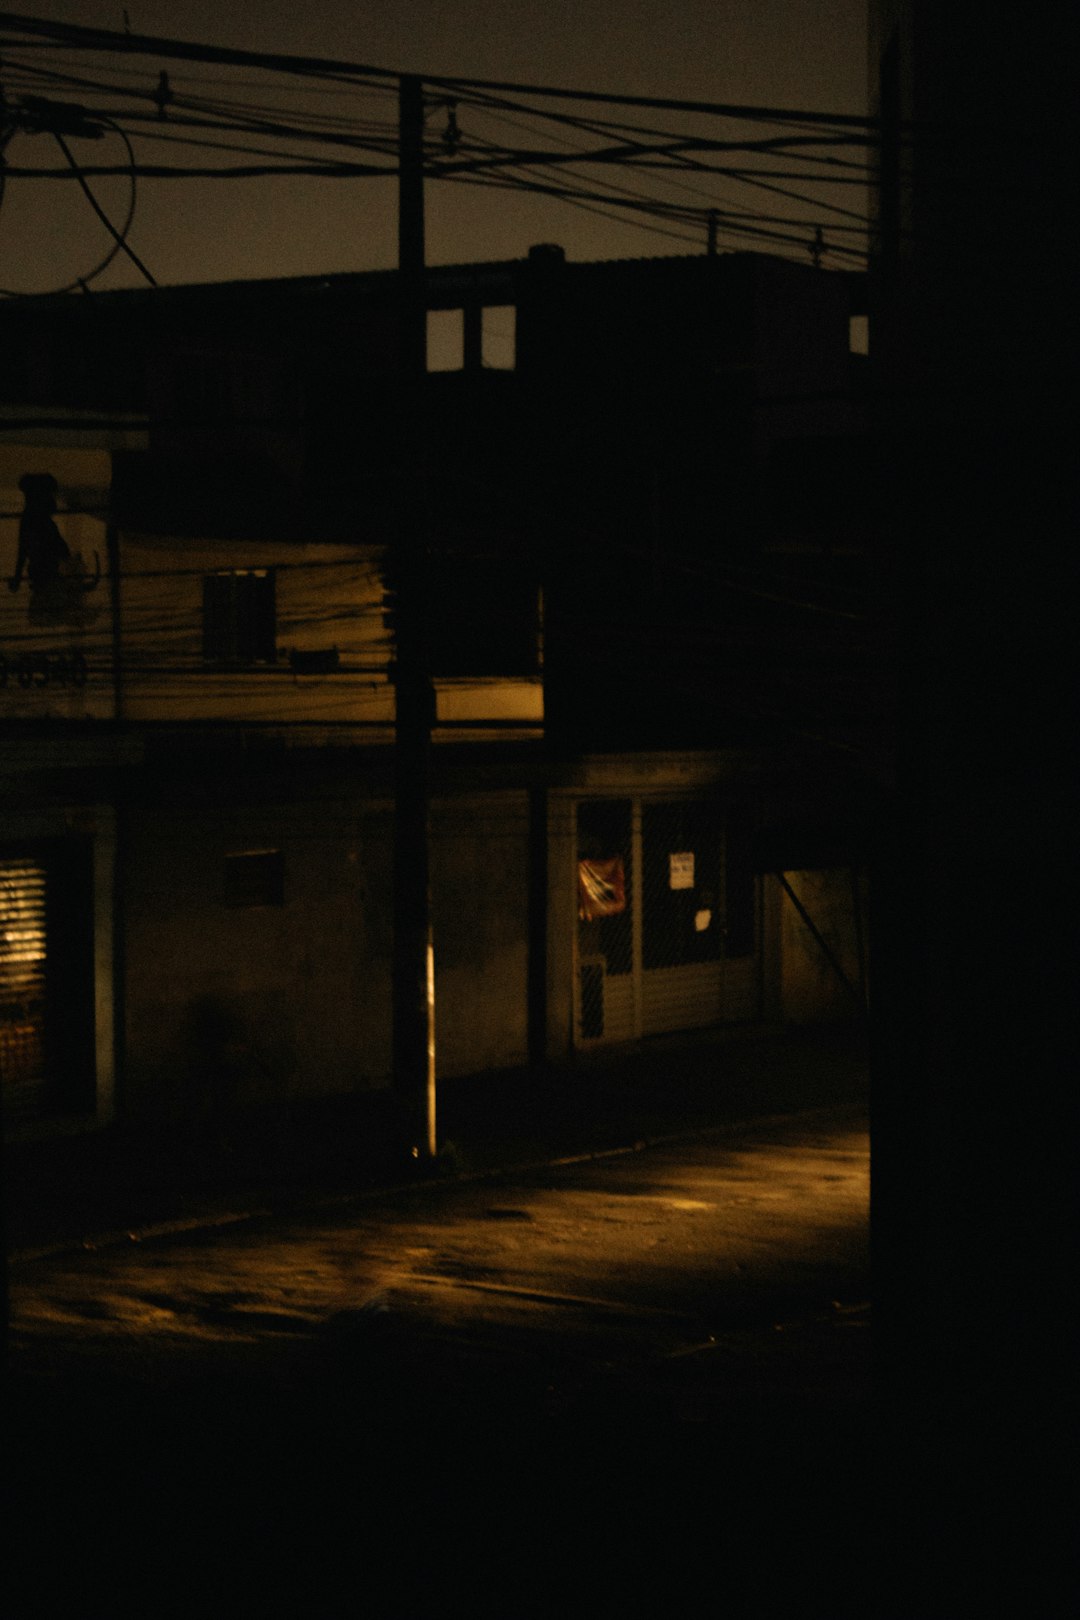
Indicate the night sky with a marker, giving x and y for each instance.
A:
(806, 54)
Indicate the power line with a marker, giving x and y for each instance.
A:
(119, 237)
(591, 200)
(481, 161)
(100, 39)
(120, 243)
(673, 151)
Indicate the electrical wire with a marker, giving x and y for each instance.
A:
(518, 169)
(619, 154)
(119, 236)
(98, 39)
(689, 163)
(591, 201)
(227, 117)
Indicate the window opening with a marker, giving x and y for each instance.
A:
(445, 339)
(239, 616)
(498, 337)
(255, 877)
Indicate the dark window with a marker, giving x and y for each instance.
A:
(239, 617)
(484, 619)
(255, 878)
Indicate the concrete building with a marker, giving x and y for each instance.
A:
(644, 624)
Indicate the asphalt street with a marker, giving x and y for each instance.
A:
(525, 1392)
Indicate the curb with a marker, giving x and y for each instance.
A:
(182, 1225)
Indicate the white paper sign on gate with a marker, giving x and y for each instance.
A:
(681, 870)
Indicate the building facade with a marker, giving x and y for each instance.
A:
(199, 673)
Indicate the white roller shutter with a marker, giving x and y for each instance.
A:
(22, 981)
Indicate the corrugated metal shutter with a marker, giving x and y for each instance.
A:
(682, 998)
(606, 1004)
(22, 981)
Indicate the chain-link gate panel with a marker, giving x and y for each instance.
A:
(605, 919)
(682, 846)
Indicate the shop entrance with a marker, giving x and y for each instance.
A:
(666, 932)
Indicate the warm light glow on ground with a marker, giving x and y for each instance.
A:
(653, 1252)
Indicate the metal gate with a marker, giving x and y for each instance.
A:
(678, 947)
(682, 867)
(22, 983)
(606, 987)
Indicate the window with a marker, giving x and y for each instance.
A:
(255, 877)
(485, 618)
(239, 616)
(445, 339)
(467, 339)
(498, 333)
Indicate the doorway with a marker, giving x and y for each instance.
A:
(667, 935)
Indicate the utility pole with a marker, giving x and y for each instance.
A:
(414, 956)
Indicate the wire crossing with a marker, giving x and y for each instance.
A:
(693, 172)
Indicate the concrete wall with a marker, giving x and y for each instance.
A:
(479, 875)
(327, 597)
(803, 985)
(562, 924)
(230, 1005)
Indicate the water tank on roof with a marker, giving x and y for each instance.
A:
(547, 253)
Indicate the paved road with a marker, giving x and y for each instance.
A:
(686, 1323)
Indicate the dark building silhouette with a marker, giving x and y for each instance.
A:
(971, 355)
